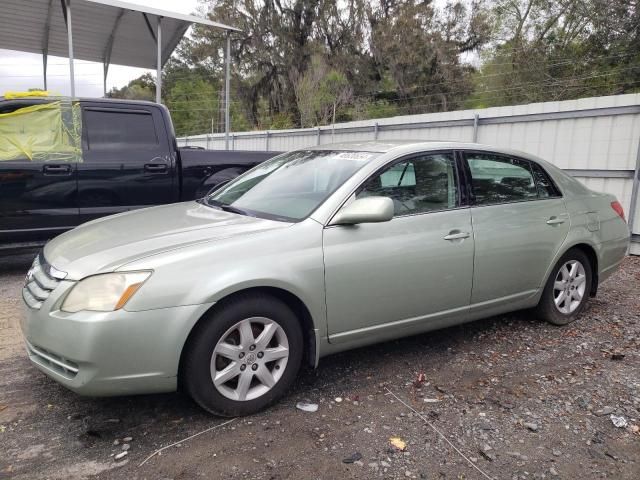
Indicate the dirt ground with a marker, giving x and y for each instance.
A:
(519, 398)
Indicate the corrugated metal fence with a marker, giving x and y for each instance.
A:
(595, 139)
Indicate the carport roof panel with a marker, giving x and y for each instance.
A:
(24, 26)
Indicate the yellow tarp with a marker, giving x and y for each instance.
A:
(49, 132)
(33, 93)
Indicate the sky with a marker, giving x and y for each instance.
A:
(21, 71)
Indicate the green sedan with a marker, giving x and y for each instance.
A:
(310, 253)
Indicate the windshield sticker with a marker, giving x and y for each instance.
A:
(355, 155)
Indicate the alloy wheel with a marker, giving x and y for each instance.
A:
(569, 287)
(249, 359)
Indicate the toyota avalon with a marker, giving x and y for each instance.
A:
(310, 253)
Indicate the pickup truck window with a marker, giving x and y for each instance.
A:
(110, 129)
(291, 186)
(42, 132)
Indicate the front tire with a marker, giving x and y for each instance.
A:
(567, 290)
(244, 356)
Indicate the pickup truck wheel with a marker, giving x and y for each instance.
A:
(243, 357)
(567, 291)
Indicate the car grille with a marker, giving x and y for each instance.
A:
(54, 362)
(41, 279)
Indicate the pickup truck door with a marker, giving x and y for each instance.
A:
(128, 161)
(37, 198)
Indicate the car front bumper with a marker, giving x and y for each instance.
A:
(108, 353)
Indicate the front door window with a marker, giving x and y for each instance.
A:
(425, 183)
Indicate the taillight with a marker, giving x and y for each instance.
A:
(618, 209)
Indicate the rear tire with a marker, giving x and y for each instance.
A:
(252, 347)
(567, 290)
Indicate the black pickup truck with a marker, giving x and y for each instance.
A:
(129, 159)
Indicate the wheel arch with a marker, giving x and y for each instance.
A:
(290, 299)
(591, 253)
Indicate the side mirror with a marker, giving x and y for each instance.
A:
(365, 210)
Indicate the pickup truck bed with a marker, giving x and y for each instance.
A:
(129, 160)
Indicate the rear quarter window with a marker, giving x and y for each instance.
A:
(546, 187)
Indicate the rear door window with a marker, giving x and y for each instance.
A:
(500, 179)
(108, 129)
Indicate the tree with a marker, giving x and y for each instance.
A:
(420, 50)
(195, 106)
(320, 91)
(312, 62)
(378, 51)
(555, 50)
(141, 88)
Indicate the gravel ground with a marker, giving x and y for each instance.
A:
(519, 398)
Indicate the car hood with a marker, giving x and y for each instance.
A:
(105, 244)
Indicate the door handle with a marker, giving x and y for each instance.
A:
(156, 168)
(456, 235)
(56, 169)
(555, 221)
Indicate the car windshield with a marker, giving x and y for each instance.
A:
(291, 186)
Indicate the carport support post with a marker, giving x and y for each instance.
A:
(105, 71)
(227, 74)
(44, 69)
(67, 7)
(159, 62)
(45, 43)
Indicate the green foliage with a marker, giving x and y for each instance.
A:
(194, 105)
(301, 60)
(320, 91)
(141, 88)
(281, 121)
(367, 109)
(562, 50)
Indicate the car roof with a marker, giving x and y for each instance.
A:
(390, 145)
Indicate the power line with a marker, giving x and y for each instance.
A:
(399, 110)
(554, 83)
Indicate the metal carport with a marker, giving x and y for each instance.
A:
(106, 31)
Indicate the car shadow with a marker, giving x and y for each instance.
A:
(15, 263)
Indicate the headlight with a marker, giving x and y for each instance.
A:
(105, 292)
